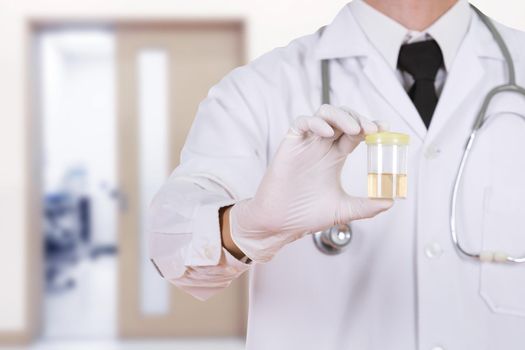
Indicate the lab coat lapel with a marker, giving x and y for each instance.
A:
(386, 84)
(343, 38)
(463, 78)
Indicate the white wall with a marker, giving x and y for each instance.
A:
(270, 23)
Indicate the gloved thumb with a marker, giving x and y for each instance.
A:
(362, 208)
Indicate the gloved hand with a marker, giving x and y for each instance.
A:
(300, 192)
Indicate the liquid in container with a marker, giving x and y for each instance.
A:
(387, 165)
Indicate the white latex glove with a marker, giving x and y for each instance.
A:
(301, 192)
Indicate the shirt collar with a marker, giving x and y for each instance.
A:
(387, 35)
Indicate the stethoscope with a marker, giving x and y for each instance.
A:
(335, 239)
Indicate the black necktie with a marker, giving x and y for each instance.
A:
(422, 61)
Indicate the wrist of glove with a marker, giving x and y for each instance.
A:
(300, 192)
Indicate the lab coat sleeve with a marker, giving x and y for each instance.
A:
(222, 162)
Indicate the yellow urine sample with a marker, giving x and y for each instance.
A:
(387, 185)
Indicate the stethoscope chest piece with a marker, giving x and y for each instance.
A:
(333, 240)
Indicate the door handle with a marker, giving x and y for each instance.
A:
(117, 195)
(122, 199)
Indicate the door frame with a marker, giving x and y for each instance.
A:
(35, 257)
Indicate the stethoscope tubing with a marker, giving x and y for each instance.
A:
(487, 256)
(511, 86)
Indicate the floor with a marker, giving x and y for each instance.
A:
(190, 344)
(94, 297)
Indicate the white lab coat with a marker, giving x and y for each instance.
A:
(400, 284)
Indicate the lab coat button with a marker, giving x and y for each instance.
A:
(433, 250)
(208, 252)
(432, 152)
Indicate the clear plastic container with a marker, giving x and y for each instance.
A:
(387, 165)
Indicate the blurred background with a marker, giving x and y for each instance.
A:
(95, 101)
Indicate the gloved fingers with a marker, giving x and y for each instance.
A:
(347, 143)
(315, 125)
(339, 119)
(356, 208)
(367, 126)
(382, 125)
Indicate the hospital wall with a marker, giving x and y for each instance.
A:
(270, 23)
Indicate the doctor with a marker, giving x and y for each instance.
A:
(265, 164)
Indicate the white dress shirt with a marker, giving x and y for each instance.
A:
(387, 36)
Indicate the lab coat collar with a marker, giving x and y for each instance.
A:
(342, 38)
(465, 75)
(387, 35)
(486, 46)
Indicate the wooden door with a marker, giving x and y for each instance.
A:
(194, 57)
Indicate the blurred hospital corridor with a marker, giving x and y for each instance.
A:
(103, 91)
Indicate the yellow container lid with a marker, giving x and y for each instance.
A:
(387, 138)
